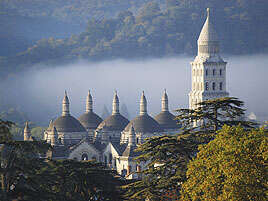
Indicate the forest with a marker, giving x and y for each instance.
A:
(66, 31)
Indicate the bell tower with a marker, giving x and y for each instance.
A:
(208, 68)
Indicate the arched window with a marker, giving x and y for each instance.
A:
(206, 86)
(220, 72)
(84, 157)
(214, 72)
(194, 72)
(221, 86)
(213, 86)
(206, 72)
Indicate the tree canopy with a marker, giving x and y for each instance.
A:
(233, 166)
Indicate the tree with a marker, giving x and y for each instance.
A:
(72, 180)
(233, 166)
(169, 155)
(17, 160)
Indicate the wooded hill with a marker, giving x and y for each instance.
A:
(134, 30)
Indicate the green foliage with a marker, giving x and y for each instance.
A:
(231, 167)
(169, 155)
(150, 31)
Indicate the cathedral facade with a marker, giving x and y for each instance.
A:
(114, 139)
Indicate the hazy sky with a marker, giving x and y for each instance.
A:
(39, 92)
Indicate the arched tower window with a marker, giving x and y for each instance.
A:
(206, 86)
(220, 72)
(206, 72)
(213, 86)
(221, 86)
(214, 72)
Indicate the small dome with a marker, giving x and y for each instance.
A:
(90, 120)
(144, 124)
(115, 122)
(166, 120)
(68, 124)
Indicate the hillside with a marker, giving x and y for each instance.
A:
(156, 29)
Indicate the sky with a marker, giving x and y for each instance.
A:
(39, 91)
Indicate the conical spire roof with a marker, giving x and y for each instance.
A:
(89, 104)
(164, 101)
(65, 105)
(143, 104)
(115, 104)
(208, 33)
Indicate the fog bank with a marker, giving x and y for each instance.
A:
(39, 92)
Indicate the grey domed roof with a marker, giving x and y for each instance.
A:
(166, 120)
(115, 122)
(90, 120)
(68, 124)
(144, 124)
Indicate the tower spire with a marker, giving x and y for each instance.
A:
(115, 104)
(27, 132)
(208, 43)
(143, 104)
(89, 104)
(65, 105)
(164, 102)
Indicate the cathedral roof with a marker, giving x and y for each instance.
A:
(130, 152)
(166, 120)
(90, 120)
(144, 124)
(115, 122)
(68, 124)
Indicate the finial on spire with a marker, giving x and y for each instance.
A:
(208, 12)
(131, 136)
(115, 104)
(164, 101)
(89, 103)
(27, 132)
(143, 104)
(65, 105)
(54, 137)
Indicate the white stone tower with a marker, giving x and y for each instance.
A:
(208, 68)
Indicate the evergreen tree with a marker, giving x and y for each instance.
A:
(169, 155)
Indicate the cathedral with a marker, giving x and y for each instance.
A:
(114, 139)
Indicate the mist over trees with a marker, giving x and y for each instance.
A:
(140, 29)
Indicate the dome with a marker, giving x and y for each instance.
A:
(90, 120)
(68, 124)
(166, 120)
(115, 122)
(144, 124)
